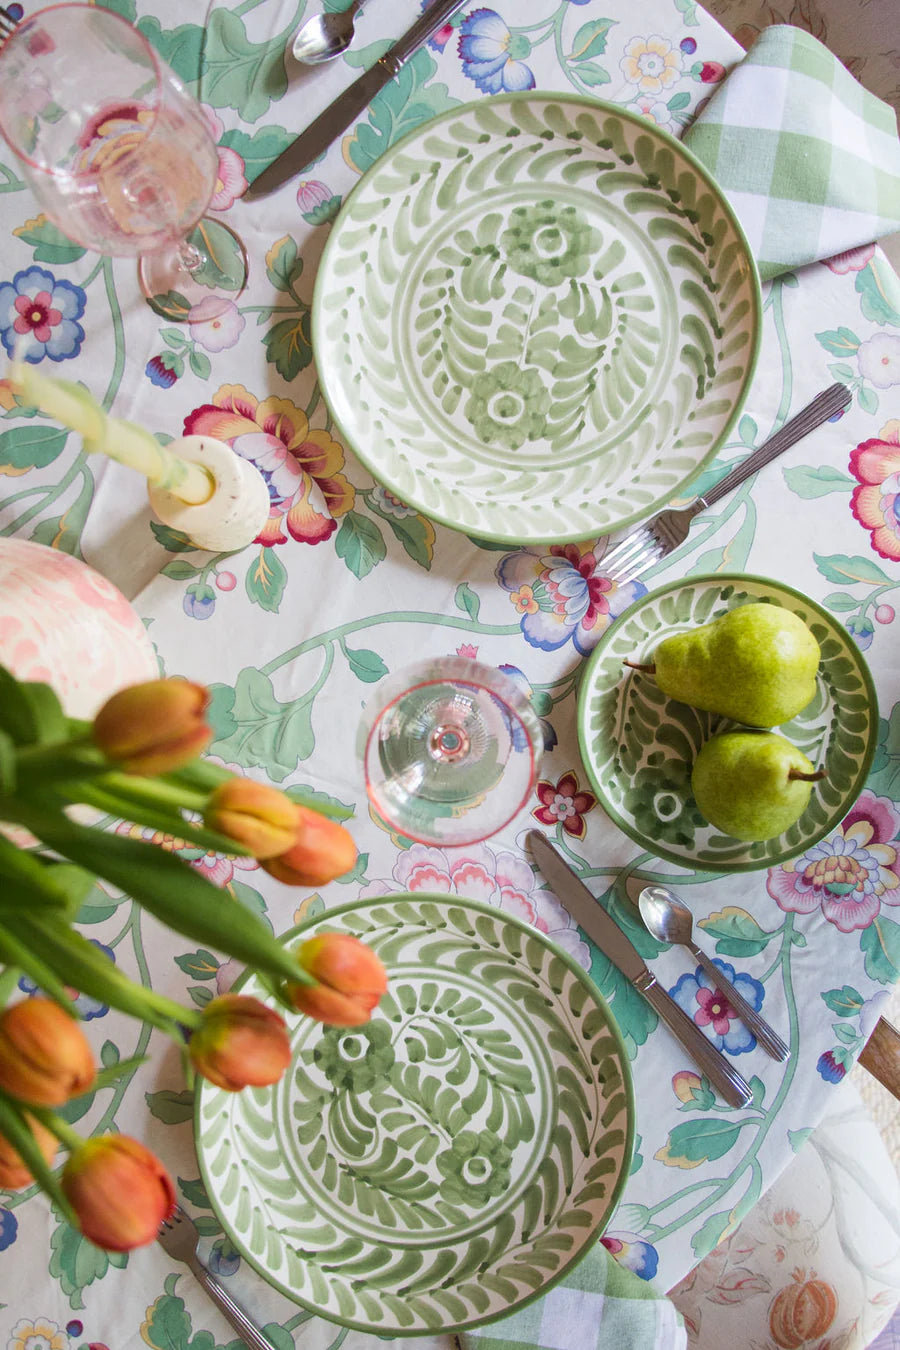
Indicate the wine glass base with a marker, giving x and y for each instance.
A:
(201, 293)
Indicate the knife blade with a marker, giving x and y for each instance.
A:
(612, 941)
(345, 109)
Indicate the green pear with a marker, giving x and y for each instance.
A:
(752, 784)
(756, 664)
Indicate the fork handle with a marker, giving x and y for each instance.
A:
(823, 406)
(245, 1327)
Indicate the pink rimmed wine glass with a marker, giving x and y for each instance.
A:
(450, 749)
(119, 155)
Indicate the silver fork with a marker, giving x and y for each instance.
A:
(178, 1237)
(7, 25)
(663, 533)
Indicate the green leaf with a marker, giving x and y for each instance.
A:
(366, 666)
(76, 1262)
(165, 304)
(174, 541)
(736, 932)
(867, 399)
(224, 267)
(842, 372)
(289, 345)
(97, 906)
(799, 1137)
(266, 579)
(710, 1233)
(194, 1193)
(840, 602)
(283, 264)
(200, 995)
(127, 8)
(407, 101)
(357, 873)
(811, 481)
(885, 775)
(49, 243)
(168, 1324)
(320, 801)
(879, 290)
(846, 570)
(259, 150)
(199, 965)
(249, 896)
(265, 733)
(23, 448)
(360, 543)
(181, 48)
(703, 1140)
(467, 600)
(846, 1002)
(840, 341)
(590, 40)
(416, 534)
(677, 102)
(592, 74)
(181, 571)
(200, 364)
(172, 1108)
(880, 944)
(240, 74)
(109, 1054)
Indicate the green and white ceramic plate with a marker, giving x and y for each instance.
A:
(639, 746)
(449, 1161)
(536, 318)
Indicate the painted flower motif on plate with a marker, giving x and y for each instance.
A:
(475, 1168)
(660, 802)
(562, 595)
(875, 464)
(850, 874)
(651, 63)
(38, 316)
(496, 878)
(710, 1009)
(508, 405)
(564, 803)
(549, 243)
(491, 55)
(355, 1059)
(302, 467)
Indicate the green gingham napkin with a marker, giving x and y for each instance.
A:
(808, 158)
(600, 1304)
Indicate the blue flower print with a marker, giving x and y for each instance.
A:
(711, 1011)
(86, 1007)
(38, 316)
(9, 1228)
(519, 679)
(224, 1258)
(491, 54)
(199, 601)
(831, 1069)
(632, 1252)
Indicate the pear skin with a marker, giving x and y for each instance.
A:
(756, 664)
(752, 785)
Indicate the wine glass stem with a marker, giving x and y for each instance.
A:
(190, 257)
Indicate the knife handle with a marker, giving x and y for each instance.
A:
(726, 1080)
(769, 1039)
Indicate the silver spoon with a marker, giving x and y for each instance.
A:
(669, 920)
(325, 36)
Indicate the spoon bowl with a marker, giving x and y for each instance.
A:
(325, 36)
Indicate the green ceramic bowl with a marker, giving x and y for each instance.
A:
(536, 318)
(639, 746)
(452, 1159)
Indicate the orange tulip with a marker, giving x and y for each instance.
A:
(13, 1172)
(45, 1057)
(351, 980)
(254, 815)
(241, 1043)
(321, 851)
(119, 1190)
(154, 727)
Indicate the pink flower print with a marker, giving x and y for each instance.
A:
(851, 260)
(231, 182)
(875, 464)
(714, 1010)
(216, 323)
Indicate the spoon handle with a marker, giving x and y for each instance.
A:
(767, 1038)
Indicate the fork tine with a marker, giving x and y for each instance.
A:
(625, 550)
(652, 551)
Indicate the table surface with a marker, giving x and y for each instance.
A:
(348, 582)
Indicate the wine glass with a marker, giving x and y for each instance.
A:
(119, 155)
(450, 750)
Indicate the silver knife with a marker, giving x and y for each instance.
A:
(607, 934)
(339, 115)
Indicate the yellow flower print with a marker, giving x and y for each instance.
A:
(651, 63)
(39, 1335)
(524, 600)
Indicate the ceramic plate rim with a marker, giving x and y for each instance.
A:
(612, 1026)
(725, 578)
(320, 343)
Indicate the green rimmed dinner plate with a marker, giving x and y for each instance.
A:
(639, 746)
(536, 318)
(449, 1161)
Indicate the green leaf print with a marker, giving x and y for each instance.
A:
(168, 1325)
(49, 243)
(25, 448)
(289, 346)
(265, 733)
(259, 150)
(880, 293)
(172, 1108)
(702, 1140)
(468, 601)
(199, 965)
(736, 932)
(592, 74)
(840, 341)
(360, 543)
(283, 264)
(127, 8)
(885, 776)
(266, 579)
(398, 108)
(711, 1233)
(880, 944)
(181, 48)
(76, 1263)
(846, 570)
(840, 602)
(237, 73)
(590, 40)
(808, 481)
(366, 666)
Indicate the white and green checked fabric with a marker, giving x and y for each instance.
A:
(808, 158)
(599, 1292)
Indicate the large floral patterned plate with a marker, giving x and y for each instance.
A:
(536, 318)
(450, 1160)
(639, 746)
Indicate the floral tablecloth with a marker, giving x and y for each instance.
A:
(347, 582)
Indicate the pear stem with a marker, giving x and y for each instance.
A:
(648, 669)
(797, 774)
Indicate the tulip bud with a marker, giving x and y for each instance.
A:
(155, 727)
(322, 850)
(241, 1043)
(119, 1190)
(351, 980)
(44, 1054)
(14, 1174)
(256, 816)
